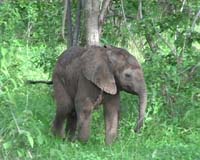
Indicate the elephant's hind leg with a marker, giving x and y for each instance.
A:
(64, 107)
(71, 125)
(83, 110)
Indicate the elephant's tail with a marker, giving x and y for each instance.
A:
(39, 81)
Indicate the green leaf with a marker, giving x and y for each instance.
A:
(7, 145)
(40, 140)
(30, 139)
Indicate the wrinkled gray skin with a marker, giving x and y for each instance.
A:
(86, 77)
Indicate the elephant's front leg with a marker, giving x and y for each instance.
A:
(111, 115)
(83, 110)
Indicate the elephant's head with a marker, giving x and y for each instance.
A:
(129, 77)
(113, 69)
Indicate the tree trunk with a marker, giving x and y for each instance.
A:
(67, 20)
(92, 24)
(89, 33)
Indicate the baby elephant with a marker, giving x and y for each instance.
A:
(86, 77)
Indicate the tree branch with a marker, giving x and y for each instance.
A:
(103, 11)
(69, 24)
(139, 15)
(173, 50)
(64, 20)
(183, 4)
(153, 46)
(105, 5)
(195, 20)
(77, 26)
(67, 19)
(123, 12)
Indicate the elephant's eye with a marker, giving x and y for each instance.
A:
(127, 75)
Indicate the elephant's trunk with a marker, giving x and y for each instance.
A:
(142, 109)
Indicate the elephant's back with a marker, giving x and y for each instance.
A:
(67, 68)
(70, 55)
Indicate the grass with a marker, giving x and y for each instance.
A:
(25, 134)
(27, 111)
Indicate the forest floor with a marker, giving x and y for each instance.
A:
(27, 111)
(25, 133)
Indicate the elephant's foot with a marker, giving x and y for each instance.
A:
(58, 131)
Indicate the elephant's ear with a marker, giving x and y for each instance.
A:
(95, 68)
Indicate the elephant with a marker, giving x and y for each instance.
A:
(84, 78)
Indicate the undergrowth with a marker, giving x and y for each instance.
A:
(171, 128)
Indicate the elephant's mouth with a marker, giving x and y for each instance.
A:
(130, 89)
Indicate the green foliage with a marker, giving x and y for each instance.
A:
(29, 42)
(29, 23)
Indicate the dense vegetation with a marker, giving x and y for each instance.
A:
(165, 39)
